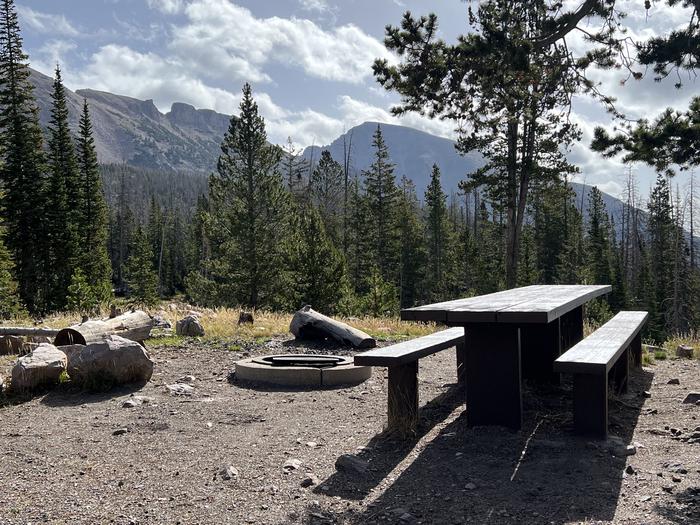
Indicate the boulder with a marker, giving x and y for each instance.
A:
(160, 322)
(11, 344)
(189, 326)
(113, 361)
(43, 366)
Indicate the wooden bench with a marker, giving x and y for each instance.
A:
(402, 361)
(604, 354)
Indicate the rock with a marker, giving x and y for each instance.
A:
(291, 464)
(692, 398)
(120, 431)
(113, 361)
(645, 498)
(195, 313)
(630, 470)
(245, 318)
(676, 479)
(309, 480)
(180, 389)
(135, 401)
(11, 344)
(189, 379)
(350, 464)
(617, 447)
(470, 486)
(675, 467)
(2, 384)
(646, 394)
(43, 366)
(228, 472)
(160, 322)
(407, 518)
(189, 326)
(684, 351)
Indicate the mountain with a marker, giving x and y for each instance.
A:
(414, 153)
(132, 131)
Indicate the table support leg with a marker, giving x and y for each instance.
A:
(403, 397)
(571, 328)
(591, 404)
(493, 384)
(540, 347)
(636, 349)
(461, 367)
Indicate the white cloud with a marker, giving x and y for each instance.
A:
(320, 6)
(227, 40)
(169, 7)
(50, 54)
(356, 112)
(46, 22)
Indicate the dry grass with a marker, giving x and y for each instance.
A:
(222, 323)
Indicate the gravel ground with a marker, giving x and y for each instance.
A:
(61, 462)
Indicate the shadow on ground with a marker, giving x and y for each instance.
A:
(542, 474)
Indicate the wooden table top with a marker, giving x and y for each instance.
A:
(529, 304)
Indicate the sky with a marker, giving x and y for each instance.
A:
(308, 61)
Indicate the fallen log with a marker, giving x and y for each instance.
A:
(24, 331)
(135, 326)
(307, 323)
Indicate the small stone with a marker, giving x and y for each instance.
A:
(674, 381)
(692, 398)
(470, 486)
(309, 480)
(120, 431)
(181, 389)
(675, 467)
(228, 472)
(135, 401)
(646, 394)
(407, 518)
(645, 498)
(189, 379)
(291, 464)
(349, 463)
(667, 489)
(630, 470)
(311, 444)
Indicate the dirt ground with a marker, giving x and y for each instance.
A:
(60, 461)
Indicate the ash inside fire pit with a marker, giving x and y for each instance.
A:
(302, 370)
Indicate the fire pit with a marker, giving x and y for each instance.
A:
(302, 370)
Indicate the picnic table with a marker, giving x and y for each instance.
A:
(511, 335)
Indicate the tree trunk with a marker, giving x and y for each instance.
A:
(309, 324)
(135, 326)
(23, 331)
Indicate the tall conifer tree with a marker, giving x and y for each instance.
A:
(61, 225)
(92, 214)
(23, 169)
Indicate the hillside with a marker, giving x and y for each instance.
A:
(132, 131)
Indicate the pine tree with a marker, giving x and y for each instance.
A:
(81, 297)
(413, 252)
(249, 209)
(382, 196)
(295, 169)
(139, 273)
(317, 268)
(598, 239)
(326, 186)
(23, 169)
(437, 236)
(61, 225)
(92, 219)
(9, 299)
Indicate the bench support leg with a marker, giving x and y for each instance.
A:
(493, 375)
(541, 345)
(591, 404)
(461, 367)
(620, 372)
(636, 349)
(403, 397)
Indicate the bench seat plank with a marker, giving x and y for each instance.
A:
(411, 350)
(598, 352)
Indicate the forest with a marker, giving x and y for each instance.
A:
(270, 230)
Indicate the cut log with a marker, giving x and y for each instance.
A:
(307, 323)
(135, 326)
(21, 330)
